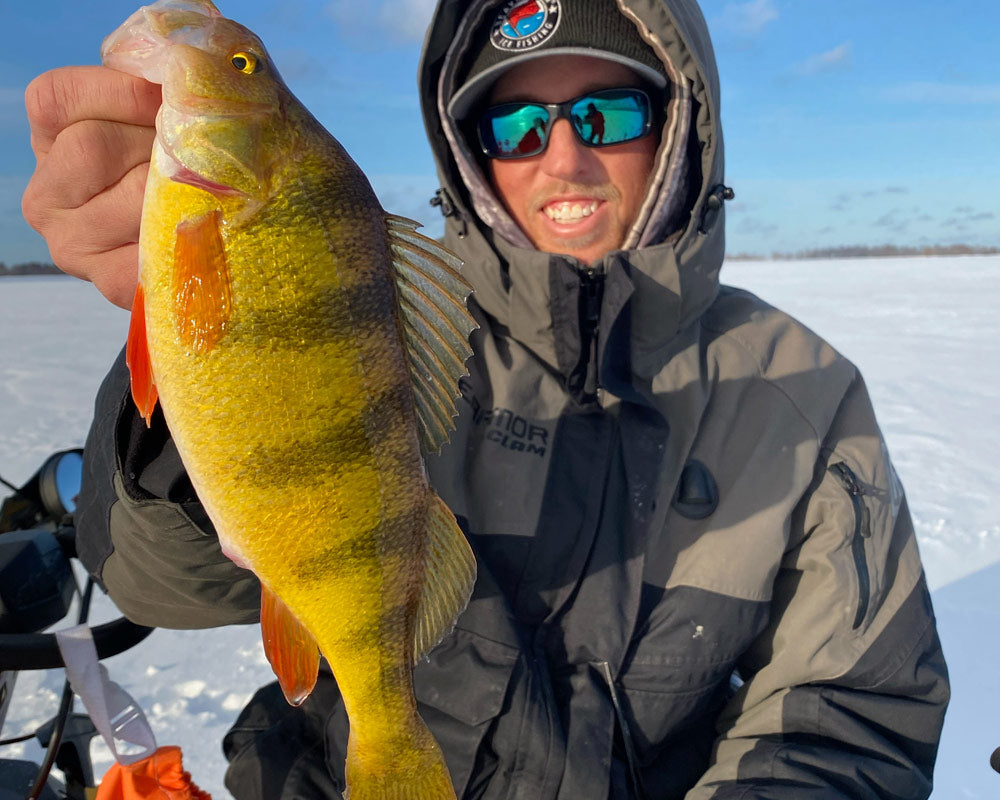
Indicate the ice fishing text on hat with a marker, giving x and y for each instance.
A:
(523, 30)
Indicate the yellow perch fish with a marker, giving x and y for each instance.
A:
(305, 348)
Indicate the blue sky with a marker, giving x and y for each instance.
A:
(846, 122)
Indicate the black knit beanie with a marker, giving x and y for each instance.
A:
(516, 31)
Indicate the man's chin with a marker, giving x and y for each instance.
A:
(587, 247)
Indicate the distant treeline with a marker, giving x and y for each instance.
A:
(29, 268)
(858, 251)
(864, 251)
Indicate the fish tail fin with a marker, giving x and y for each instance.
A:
(449, 574)
(414, 770)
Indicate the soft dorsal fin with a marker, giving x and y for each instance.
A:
(449, 574)
(436, 325)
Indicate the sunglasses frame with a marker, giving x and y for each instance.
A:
(557, 111)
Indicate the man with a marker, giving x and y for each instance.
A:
(697, 572)
(595, 119)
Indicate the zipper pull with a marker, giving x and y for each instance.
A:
(593, 285)
(853, 486)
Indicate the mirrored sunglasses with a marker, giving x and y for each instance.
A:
(602, 118)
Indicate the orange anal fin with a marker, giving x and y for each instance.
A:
(137, 358)
(202, 290)
(290, 648)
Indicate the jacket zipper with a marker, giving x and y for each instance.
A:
(862, 531)
(592, 288)
(630, 753)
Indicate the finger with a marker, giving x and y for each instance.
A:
(98, 241)
(84, 160)
(109, 220)
(115, 273)
(58, 98)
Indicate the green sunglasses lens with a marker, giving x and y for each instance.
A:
(515, 130)
(610, 116)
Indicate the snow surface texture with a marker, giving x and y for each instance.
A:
(924, 332)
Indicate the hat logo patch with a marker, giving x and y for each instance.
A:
(524, 24)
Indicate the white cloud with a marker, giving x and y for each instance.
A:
(389, 21)
(407, 19)
(748, 19)
(949, 93)
(837, 58)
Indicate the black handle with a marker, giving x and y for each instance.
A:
(24, 651)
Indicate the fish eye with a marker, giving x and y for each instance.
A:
(246, 63)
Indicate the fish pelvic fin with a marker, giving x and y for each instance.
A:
(290, 648)
(413, 769)
(436, 325)
(449, 575)
(144, 393)
(202, 291)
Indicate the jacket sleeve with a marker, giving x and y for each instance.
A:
(141, 530)
(845, 691)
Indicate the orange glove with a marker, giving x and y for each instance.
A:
(156, 777)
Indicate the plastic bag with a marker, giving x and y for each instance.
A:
(160, 776)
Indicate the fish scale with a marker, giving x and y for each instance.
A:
(305, 347)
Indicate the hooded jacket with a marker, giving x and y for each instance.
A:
(698, 577)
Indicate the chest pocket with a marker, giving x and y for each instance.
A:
(678, 670)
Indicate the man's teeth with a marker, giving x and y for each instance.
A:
(566, 212)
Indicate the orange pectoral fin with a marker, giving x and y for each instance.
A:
(202, 291)
(290, 648)
(137, 358)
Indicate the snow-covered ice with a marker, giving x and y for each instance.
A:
(924, 331)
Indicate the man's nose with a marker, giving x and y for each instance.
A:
(565, 155)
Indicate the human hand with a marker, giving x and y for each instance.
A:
(92, 133)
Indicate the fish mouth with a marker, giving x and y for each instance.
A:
(133, 47)
(156, 43)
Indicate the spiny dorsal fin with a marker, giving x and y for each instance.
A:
(436, 325)
(449, 574)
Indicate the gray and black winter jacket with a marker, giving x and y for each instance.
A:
(698, 577)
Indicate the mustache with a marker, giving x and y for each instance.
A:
(599, 191)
